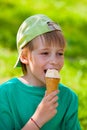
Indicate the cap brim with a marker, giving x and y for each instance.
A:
(18, 63)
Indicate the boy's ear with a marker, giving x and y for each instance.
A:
(24, 56)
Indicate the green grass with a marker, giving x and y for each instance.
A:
(73, 75)
(7, 62)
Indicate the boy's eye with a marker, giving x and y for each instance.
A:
(60, 54)
(44, 53)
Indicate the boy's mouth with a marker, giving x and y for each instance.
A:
(45, 71)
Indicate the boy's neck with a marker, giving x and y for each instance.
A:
(27, 80)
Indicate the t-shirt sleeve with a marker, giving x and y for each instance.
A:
(71, 117)
(6, 121)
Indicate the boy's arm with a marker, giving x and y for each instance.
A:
(30, 125)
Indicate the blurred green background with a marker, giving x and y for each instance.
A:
(72, 17)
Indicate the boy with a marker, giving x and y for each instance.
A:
(24, 104)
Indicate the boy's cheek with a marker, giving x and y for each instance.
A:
(60, 66)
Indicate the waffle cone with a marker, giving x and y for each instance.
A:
(52, 84)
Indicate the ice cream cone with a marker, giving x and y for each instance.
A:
(52, 80)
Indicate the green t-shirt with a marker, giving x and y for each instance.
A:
(19, 101)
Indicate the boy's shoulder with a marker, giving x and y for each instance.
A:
(68, 97)
(8, 83)
(67, 92)
(7, 88)
(65, 88)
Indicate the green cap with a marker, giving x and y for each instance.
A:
(32, 27)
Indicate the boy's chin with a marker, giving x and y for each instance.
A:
(44, 83)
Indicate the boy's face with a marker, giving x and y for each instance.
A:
(43, 57)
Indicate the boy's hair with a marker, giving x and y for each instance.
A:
(50, 38)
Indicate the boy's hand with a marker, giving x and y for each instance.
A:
(46, 109)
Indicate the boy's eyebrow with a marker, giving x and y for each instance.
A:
(61, 49)
(45, 49)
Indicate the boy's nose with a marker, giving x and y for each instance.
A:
(53, 60)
